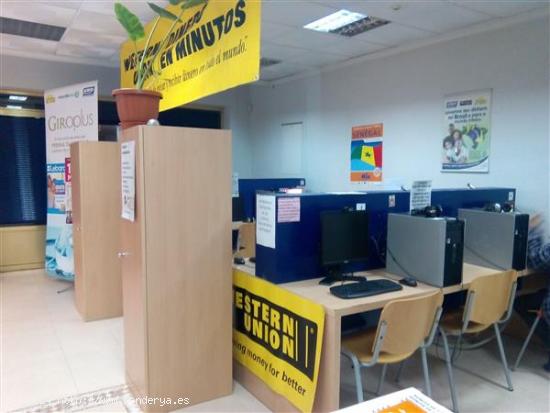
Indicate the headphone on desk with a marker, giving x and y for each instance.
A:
(508, 206)
(431, 211)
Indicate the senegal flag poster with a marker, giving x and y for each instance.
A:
(366, 153)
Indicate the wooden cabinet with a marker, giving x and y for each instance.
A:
(95, 179)
(176, 266)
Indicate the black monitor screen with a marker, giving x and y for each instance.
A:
(238, 209)
(344, 237)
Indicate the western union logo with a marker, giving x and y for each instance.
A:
(283, 333)
(50, 99)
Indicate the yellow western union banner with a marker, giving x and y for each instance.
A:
(278, 336)
(215, 47)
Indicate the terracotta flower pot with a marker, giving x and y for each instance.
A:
(136, 107)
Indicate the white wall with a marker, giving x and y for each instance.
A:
(405, 92)
(38, 75)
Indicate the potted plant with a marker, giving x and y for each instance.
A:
(135, 106)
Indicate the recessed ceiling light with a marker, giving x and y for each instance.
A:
(346, 23)
(18, 98)
(334, 21)
(14, 107)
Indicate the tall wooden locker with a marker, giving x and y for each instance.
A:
(176, 266)
(95, 180)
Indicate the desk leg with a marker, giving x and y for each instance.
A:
(327, 397)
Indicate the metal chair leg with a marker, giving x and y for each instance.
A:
(426, 371)
(382, 377)
(358, 380)
(503, 357)
(449, 370)
(526, 342)
(457, 344)
(399, 371)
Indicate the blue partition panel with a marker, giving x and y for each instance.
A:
(453, 199)
(297, 244)
(296, 256)
(248, 188)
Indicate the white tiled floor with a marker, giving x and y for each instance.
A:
(47, 352)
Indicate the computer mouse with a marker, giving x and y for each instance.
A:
(239, 260)
(410, 281)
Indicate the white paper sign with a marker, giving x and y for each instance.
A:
(288, 209)
(265, 220)
(235, 184)
(421, 194)
(128, 173)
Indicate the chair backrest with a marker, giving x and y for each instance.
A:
(492, 296)
(408, 322)
(247, 240)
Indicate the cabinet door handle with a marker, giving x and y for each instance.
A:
(123, 254)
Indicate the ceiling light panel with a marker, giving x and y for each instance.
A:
(335, 21)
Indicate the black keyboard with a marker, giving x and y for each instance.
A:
(365, 288)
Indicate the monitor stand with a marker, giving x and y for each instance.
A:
(335, 275)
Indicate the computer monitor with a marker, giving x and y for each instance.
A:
(238, 209)
(344, 240)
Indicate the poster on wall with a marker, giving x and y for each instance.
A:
(213, 46)
(71, 116)
(466, 138)
(366, 153)
(277, 336)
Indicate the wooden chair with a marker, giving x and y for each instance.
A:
(489, 303)
(247, 240)
(404, 326)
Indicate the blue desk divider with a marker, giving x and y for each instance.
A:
(453, 199)
(296, 256)
(248, 188)
(297, 244)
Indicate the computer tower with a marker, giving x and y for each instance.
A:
(495, 239)
(428, 249)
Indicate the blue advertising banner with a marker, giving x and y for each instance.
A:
(71, 116)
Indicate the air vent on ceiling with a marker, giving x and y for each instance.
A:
(266, 61)
(30, 29)
(361, 26)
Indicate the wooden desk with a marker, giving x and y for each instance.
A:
(328, 387)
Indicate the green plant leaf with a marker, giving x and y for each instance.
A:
(162, 12)
(187, 4)
(175, 2)
(130, 22)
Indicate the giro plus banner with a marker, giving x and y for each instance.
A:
(71, 116)
(278, 336)
(214, 47)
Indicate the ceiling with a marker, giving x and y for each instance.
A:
(93, 35)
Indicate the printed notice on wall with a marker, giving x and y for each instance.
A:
(265, 220)
(288, 209)
(421, 194)
(128, 172)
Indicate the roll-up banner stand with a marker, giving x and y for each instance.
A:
(71, 116)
